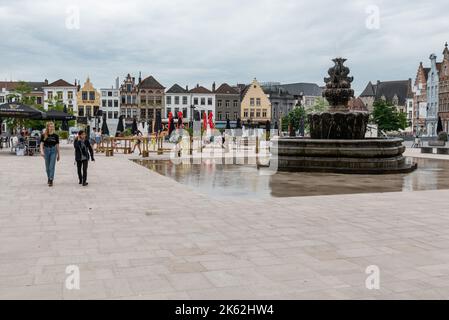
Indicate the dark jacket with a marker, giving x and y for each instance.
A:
(88, 152)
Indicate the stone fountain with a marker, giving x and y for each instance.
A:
(338, 142)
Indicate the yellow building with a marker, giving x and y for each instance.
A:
(256, 106)
(88, 100)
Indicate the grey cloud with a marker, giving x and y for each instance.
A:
(200, 41)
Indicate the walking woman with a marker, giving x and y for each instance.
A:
(49, 148)
(83, 151)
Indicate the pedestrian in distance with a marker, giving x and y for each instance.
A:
(83, 152)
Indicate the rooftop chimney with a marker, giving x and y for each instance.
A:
(213, 87)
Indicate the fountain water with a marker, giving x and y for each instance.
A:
(338, 142)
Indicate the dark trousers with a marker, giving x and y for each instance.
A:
(82, 170)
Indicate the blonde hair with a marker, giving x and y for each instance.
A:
(47, 129)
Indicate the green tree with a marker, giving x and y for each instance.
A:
(387, 117)
(300, 112)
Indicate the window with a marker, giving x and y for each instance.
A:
(236, 103)
(143, 100)
(115, 103)
(134, 99)
(59, 95)
(103, 103)
(227, 115)
(70, 95)
(219, 103)
(115, 114)
(245, 113)
(128, 99)
(89, 111)
(81, 111)
(123, 99)
(109, 114)
(109, 93)
(219, 115)
(264, 113)
(158, 101)
(251, 113)
(258, 114)
(176, 100)
(128, 113)
(236, 115)
(50, 95)
(134, 113)
(110, 103)
(70, 108)
(128, 87)
(258, 102)
(209, 101)
(143, 113)
(195, 101)
(84, 95)
(184, 100)
(103, 93)
(96, 108)
(39, 100)
(203, 101)
(228, 103)
(251, 102)
(115, 93)
(168, 100)
(2, 99)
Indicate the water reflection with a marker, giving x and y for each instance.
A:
(218, 180)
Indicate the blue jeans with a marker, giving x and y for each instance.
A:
(50, 161)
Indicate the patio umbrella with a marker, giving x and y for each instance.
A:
(171, 126)
(170, 121)
(239, 123)
(439, 125)
(158, 124)
(120, 127)
(104, 126)
(18, 110)
(180, 115)
(211, 120)
(134, 128)
(228, 124)
(57, 116)
(267, 129)
(204, 121)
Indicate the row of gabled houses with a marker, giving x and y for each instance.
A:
(424, 100)
(144, 99)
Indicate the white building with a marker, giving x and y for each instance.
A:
(177, 99)
(62, 91)
(110, 106)
(203, 100)
(432, 97)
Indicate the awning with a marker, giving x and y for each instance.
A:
(18, 110)
(57, 116)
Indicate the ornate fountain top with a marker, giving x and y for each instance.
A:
(338, 90)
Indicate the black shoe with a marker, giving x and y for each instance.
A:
(50, 184)
(85, 184)
(80, 182)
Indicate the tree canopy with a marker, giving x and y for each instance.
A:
(387, 117)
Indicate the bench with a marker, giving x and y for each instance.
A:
(426, 150)
(437, 143)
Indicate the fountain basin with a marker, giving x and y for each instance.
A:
(363, 156)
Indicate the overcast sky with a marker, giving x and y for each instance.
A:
(201, 41)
